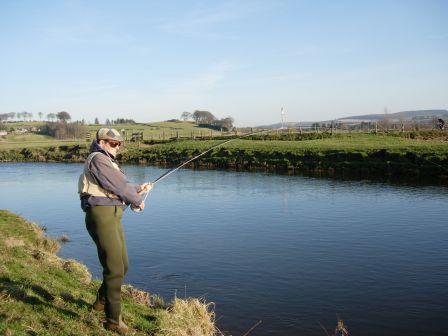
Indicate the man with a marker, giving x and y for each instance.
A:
(105, 193)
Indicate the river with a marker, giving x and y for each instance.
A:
(295, 252)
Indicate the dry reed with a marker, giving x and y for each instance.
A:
(188, 317)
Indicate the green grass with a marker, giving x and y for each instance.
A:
(42, 294)
(161, 130)
(413, 155)
(356, 155)
(151, 131)
(345, 143)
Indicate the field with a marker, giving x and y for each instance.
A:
(410, 154)
(356, 142)
(158, 131)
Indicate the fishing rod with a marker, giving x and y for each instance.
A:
(169, 172)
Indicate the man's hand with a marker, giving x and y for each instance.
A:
(145, 187)
(142, 206)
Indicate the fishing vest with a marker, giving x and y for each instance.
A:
(86, 183)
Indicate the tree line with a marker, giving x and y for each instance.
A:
(115, 121)
(207, 118)
(61, 116)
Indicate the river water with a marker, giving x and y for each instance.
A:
(296, 253)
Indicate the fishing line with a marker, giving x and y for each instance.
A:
(169, 172)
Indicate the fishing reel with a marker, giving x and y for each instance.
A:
(136, 208)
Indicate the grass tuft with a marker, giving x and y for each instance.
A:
(189, 317)
(82, 272)
(138, 296)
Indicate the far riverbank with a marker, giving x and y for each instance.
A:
(348, 155)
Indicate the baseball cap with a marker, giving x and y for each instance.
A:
(108, 134)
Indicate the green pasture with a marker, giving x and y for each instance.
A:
(30, 140)
(161, 130)
(355, 142)
(346, 142)
(151, 131)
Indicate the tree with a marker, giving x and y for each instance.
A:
(51, 116)
(40, 115)
(203, 117)
(186, 116)
(96, 122)
(6, 116)
(63, 116)
(63, 130)
(225, 123)
(123, 121)
(108, 121)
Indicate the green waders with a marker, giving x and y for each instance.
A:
(105, 228)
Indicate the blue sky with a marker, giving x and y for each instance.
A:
(153, 60)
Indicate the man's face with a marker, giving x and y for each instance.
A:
(111, 146)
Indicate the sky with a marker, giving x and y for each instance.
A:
(247, 59)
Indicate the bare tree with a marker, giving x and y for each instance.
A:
(203, 117)
(63, 116)
(186, 116)
(51, 116)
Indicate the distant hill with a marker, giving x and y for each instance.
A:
(404, 115)
(289, 124)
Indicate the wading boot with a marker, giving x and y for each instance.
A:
(120, 327)
(99, 303)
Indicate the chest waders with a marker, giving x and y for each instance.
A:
(104, 226)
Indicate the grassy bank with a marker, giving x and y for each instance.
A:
(42, 294)
(357, 154)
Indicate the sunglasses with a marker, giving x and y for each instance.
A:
(113, 144)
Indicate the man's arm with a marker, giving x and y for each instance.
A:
(114, 180)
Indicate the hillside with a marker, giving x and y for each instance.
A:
(397, 116)
(406, 115)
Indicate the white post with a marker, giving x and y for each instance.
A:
(283, 117)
